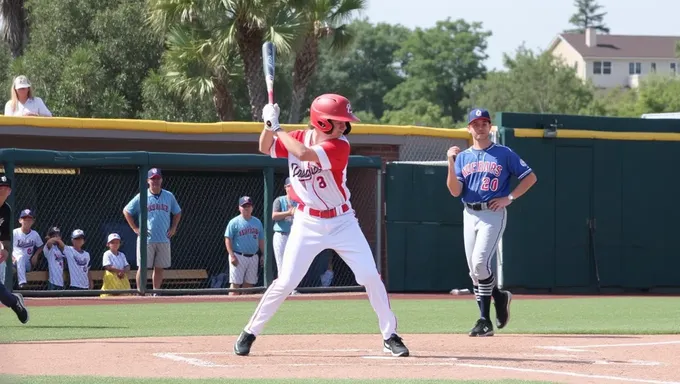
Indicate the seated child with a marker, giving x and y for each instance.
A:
(78, 261)
(116, 266)
(54, 253)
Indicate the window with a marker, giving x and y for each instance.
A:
(634, 68)
(597, 67)
(673, 69)
(607, 67)
(654, 67)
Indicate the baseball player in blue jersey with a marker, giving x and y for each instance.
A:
(481, 176)
(244, 240)
(14, 301)
(161, 204)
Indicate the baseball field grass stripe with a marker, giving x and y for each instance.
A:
(618, 315)
(111, 380)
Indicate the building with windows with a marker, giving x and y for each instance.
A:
(616, 60)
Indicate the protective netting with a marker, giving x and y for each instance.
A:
(93, 198)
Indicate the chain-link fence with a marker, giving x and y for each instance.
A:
(92, 198)
(430, 148)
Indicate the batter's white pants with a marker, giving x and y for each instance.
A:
(308, 237)
(280, 239)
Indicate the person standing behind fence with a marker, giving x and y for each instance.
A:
(161, 204)
(115, 266)
(284, 209)
(78, 261)
(54, 253)
(27, 246)
(244, 239)
(11, 300)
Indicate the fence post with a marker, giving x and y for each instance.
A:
(143, 228)
(268, 225)
(9, 268)
(378, 220)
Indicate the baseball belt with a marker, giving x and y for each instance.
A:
(477, 206)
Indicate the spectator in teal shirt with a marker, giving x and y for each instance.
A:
(244, 239)
(284, 210)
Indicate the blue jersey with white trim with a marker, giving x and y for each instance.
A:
(486, 173)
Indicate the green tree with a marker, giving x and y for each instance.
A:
(659, 94)
(89, 58)
(437, 62)
(162, 102)
(532, 83)
(14, 31)
(418, 112)
(200, 57)
(322, 19)
(588, 15)
(367, 72)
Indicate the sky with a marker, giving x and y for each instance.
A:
(534, 22)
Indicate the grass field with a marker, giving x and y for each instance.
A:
(615, 315)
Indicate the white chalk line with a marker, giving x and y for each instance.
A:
(567, 373)
(584, 348)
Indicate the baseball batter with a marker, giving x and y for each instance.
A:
(11, 300)
(317, 160)
(481, 176)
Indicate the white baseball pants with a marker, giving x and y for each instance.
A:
(308, 237)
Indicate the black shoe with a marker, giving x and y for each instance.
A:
(395, 346)
(243, 344)
(20, 309)
(482, 328)
(503, 309)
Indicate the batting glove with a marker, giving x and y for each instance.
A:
(270, 115)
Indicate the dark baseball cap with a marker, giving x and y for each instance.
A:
(287, 182)
(26, 213)
(5, 181)
(245, 200)
(478, 113)
(154, 172)
(54, 231)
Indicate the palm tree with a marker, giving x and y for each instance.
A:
(256, 21)
(323, 19)
(14, 25)
(200, 56)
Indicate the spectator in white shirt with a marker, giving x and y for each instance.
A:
(23, 102)
(116, 266)
(78, 262)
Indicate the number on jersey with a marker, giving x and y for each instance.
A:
(489, 184)
(321, 181)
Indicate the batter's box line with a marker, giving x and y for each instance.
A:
(584, 348)
(276, 351)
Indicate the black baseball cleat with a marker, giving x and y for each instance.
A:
(243, 343)
(395, 346)
(503, 309)
(20, 309)
(483, 327)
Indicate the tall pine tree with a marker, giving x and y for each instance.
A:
(588, 15)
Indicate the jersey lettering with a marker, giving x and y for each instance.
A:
(486, 173)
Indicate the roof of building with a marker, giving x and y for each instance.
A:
(623, 46)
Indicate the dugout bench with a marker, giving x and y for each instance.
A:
(172, 278)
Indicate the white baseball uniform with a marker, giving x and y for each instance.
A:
(24, 246)
(55, 264)
(78, 267)
(324, 219)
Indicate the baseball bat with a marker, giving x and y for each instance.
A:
(268, 62)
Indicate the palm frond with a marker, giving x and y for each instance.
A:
(341, 39)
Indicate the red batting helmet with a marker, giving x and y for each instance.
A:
(329, 107)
